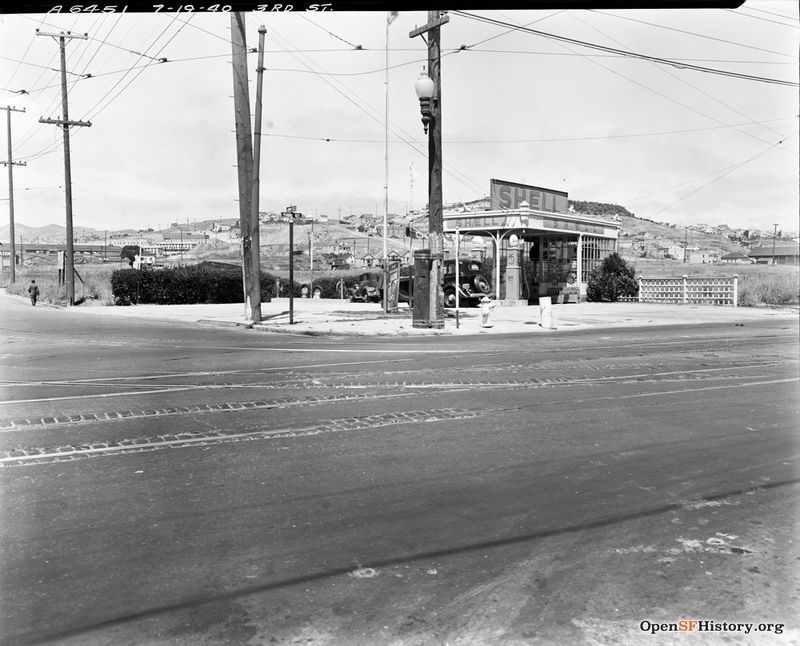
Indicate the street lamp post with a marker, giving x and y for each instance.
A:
(428, 263)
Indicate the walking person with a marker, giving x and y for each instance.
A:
(33, 290)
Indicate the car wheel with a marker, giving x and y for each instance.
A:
(450, 297)
(482, 285)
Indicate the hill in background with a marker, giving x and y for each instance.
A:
(639, 238)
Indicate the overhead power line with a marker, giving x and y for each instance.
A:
(330, 33)
(658, 133)
(376, 115)
(626, 54)
(686, 82)
(793, 24)
(691, 33)
(716, 175)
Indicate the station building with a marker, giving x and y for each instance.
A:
(538, 246)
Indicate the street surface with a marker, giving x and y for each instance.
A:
(174, 483)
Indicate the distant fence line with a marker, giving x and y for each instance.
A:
(696, 291)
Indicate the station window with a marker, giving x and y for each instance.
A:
(594, 250)
(559, 259)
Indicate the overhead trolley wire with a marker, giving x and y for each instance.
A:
(95, 110)
(330, 33)
(691, 33)
(718, 176)
(694, 87)
(658, 133)
(25, 53)
(627, 54)
(776, 22)
(402, 135)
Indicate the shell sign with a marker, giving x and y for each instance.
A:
(509, 195)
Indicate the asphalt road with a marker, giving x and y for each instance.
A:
(186, 484)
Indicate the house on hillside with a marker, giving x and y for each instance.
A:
(368, 260)
(341, 260)
(703, 256)
(783, 254)
(676, 251)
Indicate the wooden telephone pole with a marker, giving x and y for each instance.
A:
(248, 221)
(429, 309)
(65, 123)
(10, 163)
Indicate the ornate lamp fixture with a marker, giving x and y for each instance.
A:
(425, 88)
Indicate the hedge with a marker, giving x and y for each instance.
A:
(184, 285)
(207, 282)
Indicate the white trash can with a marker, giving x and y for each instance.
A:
(546, 311)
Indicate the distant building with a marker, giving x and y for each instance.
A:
(736, 258)
(783, 254)
(368, 260)
(703, 256)
(675, 251)
(341, 261)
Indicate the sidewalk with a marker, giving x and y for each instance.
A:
(340, 317)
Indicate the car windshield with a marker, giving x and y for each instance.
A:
(463, 267)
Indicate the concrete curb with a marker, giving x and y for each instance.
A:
(286, 329)
(326, 322)
(247, 326)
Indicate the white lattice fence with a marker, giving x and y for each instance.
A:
(697, 291)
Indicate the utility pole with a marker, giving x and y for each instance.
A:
(311, 260)
(389, 18)
(429, 311)
(685, 244)
(774, 235)
(291, 271)
(244, 156)
(65, 123)
(255, 224)
(11, 163)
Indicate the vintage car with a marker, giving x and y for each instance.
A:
(368, 288)
(473, 285)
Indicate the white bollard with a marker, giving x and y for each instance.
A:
(545, 311)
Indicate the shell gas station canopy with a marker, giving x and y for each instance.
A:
(548, 250)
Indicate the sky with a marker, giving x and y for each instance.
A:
(668, 143)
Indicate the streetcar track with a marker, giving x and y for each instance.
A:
(38, 455)
(396, 389)
(20, 456)
(304, 378)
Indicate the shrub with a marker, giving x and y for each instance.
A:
(767, 290)
(129, 253)
(92, 284)
(184, 285)
(613, 279)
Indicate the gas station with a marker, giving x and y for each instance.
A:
(539, 247)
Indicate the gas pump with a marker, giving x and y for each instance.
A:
(534, 275)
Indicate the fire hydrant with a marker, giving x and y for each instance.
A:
(486, 311)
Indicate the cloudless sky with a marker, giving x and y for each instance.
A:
(668, 143)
